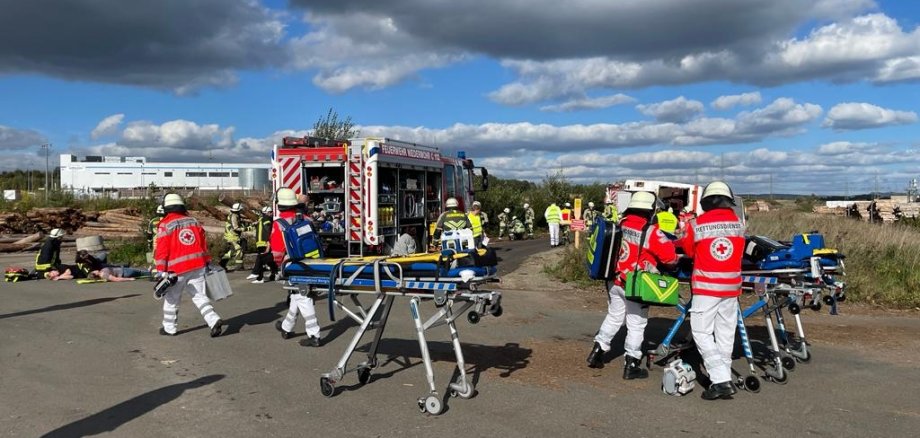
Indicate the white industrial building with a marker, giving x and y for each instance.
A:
(99, 174)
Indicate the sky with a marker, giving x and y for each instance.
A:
(797, 96)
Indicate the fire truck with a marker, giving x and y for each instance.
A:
(366, 190)
(689, 194)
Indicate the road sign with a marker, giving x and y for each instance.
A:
(578, 225)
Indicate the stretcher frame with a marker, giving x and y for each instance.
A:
(451, 296)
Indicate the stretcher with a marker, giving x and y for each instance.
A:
(455, 281)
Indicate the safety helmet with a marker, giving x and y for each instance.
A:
(514, 218)
(266, 210)
(237, 207)
(161, 210)
(451, 203)
(642, 201)
(567, 205)
(286, 197)
(717, 188)
(507, 210)
(56, 233)
(590, 204)
(526, 205)
(477, 204)
(172, 199)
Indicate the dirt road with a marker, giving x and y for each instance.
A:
(86, 359)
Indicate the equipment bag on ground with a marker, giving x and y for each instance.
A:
(300, 239)
(217, 286)
(603, 247)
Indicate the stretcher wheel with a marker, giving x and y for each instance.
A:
(431, 404)
(497, 311)
(805, 359)
(752, 384)
(795, 309)
(326, 386)
(464, 395)
(788, 363)
(829, 300)
(364, 375)
(473, 317)
(816, 306)
(783, 377)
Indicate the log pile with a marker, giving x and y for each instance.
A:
(30, 242)
(886, 210)
(836, 211)
(117, 223)
(42, 220)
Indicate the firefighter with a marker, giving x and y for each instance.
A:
(181, 249)
(233, 232)
(610, 211)
(299, 302)
(656, 249)
(151, 230)
(529, 218)
(264, 256)
(478, 221)
(589, 215)
(715, 242)
(553, 216)
(503, 222)
(451, 220)
(49, 256)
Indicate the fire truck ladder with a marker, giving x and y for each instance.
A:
(355, 194)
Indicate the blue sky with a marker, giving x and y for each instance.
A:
(822, 95)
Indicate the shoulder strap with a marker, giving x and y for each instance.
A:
(642, 243)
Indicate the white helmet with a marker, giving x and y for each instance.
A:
(266, 210)
(718, 188)
(451, 203)
(507, 210)
(642, 201)
(286, 197)
(590, 205)
(237, 207)
(567, 205)
(172, 199)
(161, 210)
(56, 233)
(477, 204)
(526, 205)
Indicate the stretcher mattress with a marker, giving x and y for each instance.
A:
(424, 265)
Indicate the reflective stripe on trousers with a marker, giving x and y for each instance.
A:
(193, 284)
(301, 305)
(713, 321)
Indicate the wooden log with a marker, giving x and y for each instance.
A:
(29, 239)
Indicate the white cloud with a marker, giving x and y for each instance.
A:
(854, 115)
(107, 126)
(14, 139)
(731, 101)
(589, 103)
(677, 110)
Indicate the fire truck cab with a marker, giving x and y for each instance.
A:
(363, 192)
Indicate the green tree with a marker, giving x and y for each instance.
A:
(331, 127)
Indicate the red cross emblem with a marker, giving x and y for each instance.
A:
(186, 237)
(721, 249)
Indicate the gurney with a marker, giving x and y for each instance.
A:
(454, 280)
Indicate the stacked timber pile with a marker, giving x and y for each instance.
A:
(117, 223)
(836, 211)
(909, 209)
(41, 220)
(886, 210)
(861, 209)
(29, 242)
(758, 206)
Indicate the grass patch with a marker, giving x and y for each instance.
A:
(131, 252)
(572, 267)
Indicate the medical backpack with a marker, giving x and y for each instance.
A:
(603, 249)
(300, 240)
(15, 273)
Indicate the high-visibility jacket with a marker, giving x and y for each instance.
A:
(233, 228)
(503, 219)
(453, 220)
(276, 240)
(475, 224)
(656, 248)
(529, 216)
(589, 216)
(553, 214)
(715, 241)
(667, 222)
(181, 245)
(151, 231)
(263, 231)
(611, 213)
(49, 256)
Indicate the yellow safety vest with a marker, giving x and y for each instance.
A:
(667, 222)
(476, 222)
(263, 231)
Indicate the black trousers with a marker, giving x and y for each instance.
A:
(264, 259)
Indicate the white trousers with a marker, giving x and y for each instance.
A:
(554, 234)
(713, 321)
(192, 283)
(618, 310)
(301, 305)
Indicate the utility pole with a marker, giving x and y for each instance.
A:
(47, 148)
(771, 186)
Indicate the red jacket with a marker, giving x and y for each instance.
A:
(180, 244)
(715, 241)
(656, 249)
(276, 243)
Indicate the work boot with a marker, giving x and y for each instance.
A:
(223, 263)
(312, 341)
(716, 391)
(633, 369)
(596, 357)
(217, 329)
(284, 334)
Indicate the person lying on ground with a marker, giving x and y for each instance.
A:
(54, 274)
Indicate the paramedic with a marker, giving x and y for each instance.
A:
(264, 256)
(181, 249)
(553, 216)
(656, 249)
(451, 220)
(715, 242)
(300, 303)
